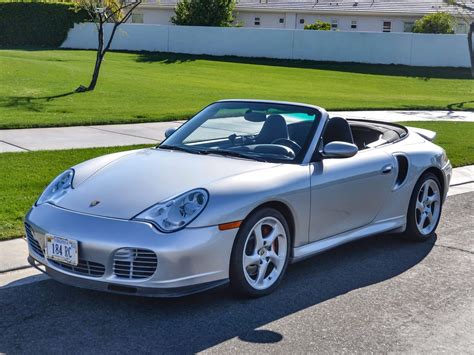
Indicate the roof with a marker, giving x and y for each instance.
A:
(406, 7)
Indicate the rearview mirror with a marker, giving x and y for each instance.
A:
(340, 150)
(170, 131)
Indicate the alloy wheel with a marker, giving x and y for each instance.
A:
(428, 207)
(265, 253)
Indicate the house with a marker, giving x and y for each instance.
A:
(343, 15)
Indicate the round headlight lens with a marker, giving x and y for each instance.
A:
(57, 188)
(177, 213)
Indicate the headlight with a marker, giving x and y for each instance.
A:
(58, 188)
(176, 213)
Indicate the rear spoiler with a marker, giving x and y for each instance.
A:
(425, 133)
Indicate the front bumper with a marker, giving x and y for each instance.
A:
(188, 261)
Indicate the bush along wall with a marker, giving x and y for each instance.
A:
(36, 24)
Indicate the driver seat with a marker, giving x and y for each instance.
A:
(274, 128)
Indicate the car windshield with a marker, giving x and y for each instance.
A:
(251, 130)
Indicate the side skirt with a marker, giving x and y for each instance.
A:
(305, 251)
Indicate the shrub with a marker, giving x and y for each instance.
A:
(319, 26)
(37, 24)
(217, 13)
(440, 22)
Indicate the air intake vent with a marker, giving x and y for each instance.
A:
(402, 162)
(132, 263)
(84, 267)
(32, 242)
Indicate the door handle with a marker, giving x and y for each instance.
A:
(387, 169)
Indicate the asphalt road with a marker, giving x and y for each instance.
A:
(382, 294)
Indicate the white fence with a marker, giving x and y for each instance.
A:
(363, 47)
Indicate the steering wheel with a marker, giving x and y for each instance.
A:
(288, 143)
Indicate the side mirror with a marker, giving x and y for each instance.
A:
(170, 131)
(339, 150)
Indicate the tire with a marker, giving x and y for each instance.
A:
(424, 210)
(265, 260)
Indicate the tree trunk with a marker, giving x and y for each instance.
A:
(471, 53)
(95, 75)
(99, 58)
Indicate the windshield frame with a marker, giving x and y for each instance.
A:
(299, 158)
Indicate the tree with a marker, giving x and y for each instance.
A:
(219, 13)
(439, 22)
(466, 13)
(319, 26)
(102, 12)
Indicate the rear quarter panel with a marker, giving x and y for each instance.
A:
(422, 155)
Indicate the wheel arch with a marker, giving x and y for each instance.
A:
(286, 212)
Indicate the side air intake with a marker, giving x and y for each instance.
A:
(402, 162)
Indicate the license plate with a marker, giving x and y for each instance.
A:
(62, 249)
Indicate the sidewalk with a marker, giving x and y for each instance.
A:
(20, 140)
(13, 253)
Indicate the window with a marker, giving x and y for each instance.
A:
(354, 24)
(137, 18)
(257, 21)
(334, 25)
(248, 129)
(302, 21)
(282, 20)
(387, 26)
(408, 26)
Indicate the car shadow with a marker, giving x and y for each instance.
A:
(115, 323)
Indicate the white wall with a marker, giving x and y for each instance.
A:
(363, 47)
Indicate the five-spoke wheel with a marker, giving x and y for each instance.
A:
(260, 254)
(424, 211)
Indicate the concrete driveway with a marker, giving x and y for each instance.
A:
(382, 294)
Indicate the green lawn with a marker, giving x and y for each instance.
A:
(36, 86)
(24, 175)
(457, 138)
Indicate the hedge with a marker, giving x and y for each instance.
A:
(36, 24)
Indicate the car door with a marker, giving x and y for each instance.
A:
(348, 193)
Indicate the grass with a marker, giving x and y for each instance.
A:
(457, 138)
(36, 86)
(25, 175)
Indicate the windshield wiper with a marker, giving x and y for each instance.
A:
(183, 149)
(232, 153)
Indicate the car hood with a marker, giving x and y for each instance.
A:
(132, 183)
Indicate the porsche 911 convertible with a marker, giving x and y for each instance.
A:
(235, 194)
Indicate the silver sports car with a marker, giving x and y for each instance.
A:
(234, 195)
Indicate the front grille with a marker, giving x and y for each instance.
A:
(130, 263)
(84, 267)
(32, 242)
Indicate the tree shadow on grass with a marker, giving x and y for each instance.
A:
(422, 73)
(30, 103)
(459, 105)
(163, 58)
(450, 108)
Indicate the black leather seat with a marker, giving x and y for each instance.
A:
(274, 128)
(337, 130)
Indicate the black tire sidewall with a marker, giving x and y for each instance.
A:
(412, 231)
(237, 277)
